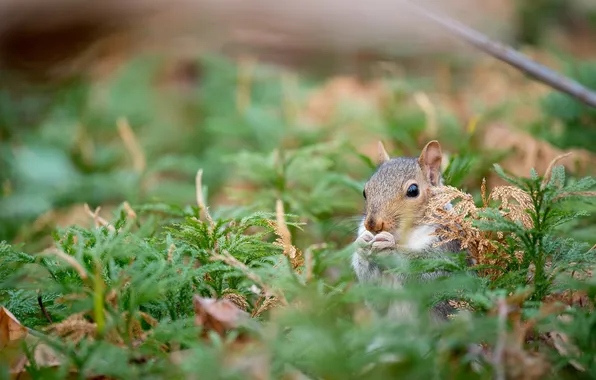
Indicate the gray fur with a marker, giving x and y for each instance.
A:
(385, 199)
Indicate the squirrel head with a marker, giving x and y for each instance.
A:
(397, 194)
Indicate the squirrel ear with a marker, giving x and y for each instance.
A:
(430, 162)
(383, 155)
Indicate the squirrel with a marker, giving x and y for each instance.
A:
(396, 199)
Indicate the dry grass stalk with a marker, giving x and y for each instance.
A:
(423, 101)
(129, 210)
(552, 164)
(309, 260)
(69, 259)
(132, 145)
(284, 239)
(243, 87)
(204, 212)
(290, 87)
(171, 252)
(99, 221)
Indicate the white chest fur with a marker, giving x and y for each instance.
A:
(421, 237)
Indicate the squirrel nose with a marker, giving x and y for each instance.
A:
(374, 225)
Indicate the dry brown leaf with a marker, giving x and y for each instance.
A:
(44, 356)
(12, 335)
(217, 315)
(11, 329)
(457, 224)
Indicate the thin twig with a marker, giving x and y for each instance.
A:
(43, 308)
(309, 260)
(509, 56)
(549, 171)
(132, 145)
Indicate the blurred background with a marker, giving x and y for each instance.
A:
(113, 101)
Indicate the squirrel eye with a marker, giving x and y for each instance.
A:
(413, 191)
(364, 193)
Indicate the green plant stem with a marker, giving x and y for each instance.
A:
(98, 301)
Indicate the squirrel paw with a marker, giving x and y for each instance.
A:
(383, 240)
(365, 239)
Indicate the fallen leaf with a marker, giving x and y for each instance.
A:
(11, 329)
(218, 315)
(12, 333)
(12, 336)
(43, 354)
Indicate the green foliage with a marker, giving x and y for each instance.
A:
(310, 181)
(155, 267)
(543, 253)
(152, 265)
(535, 17)
(576, 119)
